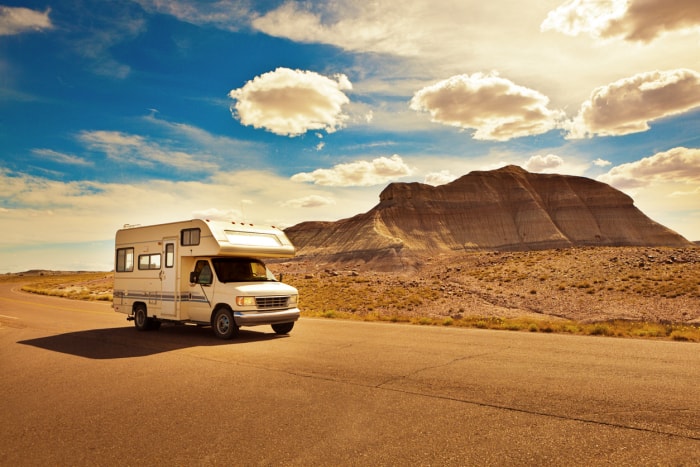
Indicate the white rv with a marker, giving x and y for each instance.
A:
(203, 272)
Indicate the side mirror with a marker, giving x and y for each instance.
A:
(193, 277)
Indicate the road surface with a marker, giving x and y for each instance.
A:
(80, 386)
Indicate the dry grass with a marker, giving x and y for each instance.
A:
(76, 286)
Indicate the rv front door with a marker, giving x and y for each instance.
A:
(168, 277)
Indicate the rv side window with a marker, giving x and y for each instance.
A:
(149, 261)
(169, 255)
(202, 273)
(125, 259)
(189, 237)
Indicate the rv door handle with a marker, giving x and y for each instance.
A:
(161, 274)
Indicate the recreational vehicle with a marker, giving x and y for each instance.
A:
(203, 272)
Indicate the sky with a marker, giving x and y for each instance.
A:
(117, 112)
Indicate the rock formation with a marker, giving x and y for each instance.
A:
(504, 209)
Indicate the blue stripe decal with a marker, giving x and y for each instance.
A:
(135, 295)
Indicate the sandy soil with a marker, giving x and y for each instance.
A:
(581, 284)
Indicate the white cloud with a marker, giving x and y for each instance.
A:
(548, 163)
(679, 165)
(222, 14)
(217, 214)
(629, 104)
(584, 16)
(366, 26)
(601, 162)
(312, 201)
(694, 192)
(135, 149)
(244, 152)
(61, 157)
(358, 173)
(495, 107)
(292, 102)
(17, 20)
(665, 186)
(439, 178)
(632, 20)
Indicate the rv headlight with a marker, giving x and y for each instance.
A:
(293, 300)
(245, 301)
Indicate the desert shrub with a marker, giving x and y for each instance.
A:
(513, 326)
(686, 335)
(601, 330)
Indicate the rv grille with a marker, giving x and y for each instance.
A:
(271, 302)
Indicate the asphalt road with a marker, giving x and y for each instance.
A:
(80, 386)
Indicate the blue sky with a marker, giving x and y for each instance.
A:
(277, 112)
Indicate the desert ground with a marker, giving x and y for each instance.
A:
(581, 284)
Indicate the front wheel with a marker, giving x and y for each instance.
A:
(223, 324)
(282, 328)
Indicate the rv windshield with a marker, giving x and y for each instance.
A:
(241, 270)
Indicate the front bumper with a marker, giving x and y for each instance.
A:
(255, 318)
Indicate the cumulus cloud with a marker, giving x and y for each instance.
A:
(601, 162)
(632, 20)
(539, 163)
(584, 16)
(678, 165)
(629, 104)
(312, 201)
(292, 102)
(358, 173)
(647, 19)
(495, 107)
(17, 20)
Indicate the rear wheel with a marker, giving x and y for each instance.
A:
(223, 324)
(282, 328)
(141, 320)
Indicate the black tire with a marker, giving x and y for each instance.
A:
(282, 328)
(141, 319)
(223, 324)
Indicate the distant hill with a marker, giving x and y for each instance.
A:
(504, 209)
